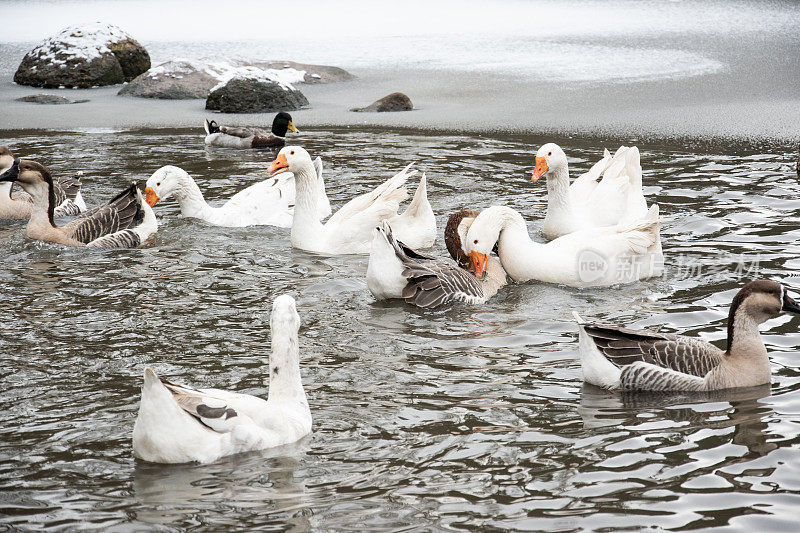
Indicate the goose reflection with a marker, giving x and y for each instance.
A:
(261, 483)
(737, 408)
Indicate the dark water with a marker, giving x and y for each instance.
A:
(466, 418)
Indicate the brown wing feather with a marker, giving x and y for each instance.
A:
(70, 185)
(624, 346)
(121, 212)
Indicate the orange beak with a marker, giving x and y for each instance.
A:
(540, 169)
(279, 165)
(478, 263)
(151, 196)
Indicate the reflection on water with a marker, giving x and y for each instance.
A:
(468, 418)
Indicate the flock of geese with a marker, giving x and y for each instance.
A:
(602, 213)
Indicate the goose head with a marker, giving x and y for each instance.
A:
(550, 159)
(455, 237)
(762, 300)
(482, 237)
(282, 123)
(33, 177)
(292, 159)
(165, 182)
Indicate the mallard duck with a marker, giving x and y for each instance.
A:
(247, 137)
(620, 358)
(269, 202)
(349, 230)
(587, 258)
(181, 424)
(125, 221)
(67, 191)
(397, 271)
(608, 194)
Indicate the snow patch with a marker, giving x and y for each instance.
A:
(83, 42)
(224, 71)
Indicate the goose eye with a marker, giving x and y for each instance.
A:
(158, 184)
(476, 241)
(291, 153)
(549, 153)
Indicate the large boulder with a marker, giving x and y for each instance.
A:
(48, 99)
(184, 78)
(253, 90)
(84, 56)
(392, 102)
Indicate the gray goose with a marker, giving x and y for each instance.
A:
(626, 359)
(244, 137)
(125, 221)
(397, 271)
(67, 192)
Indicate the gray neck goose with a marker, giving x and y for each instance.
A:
(620, 358)
(244, 137)
(397, 271)
(18, 207)
(123, 222)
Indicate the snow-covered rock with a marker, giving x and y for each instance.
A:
(83, 56)
(187, 78)
(253, 90)
(391, 102)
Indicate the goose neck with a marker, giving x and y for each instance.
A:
(284, 367)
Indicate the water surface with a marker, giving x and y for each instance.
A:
(465, 418)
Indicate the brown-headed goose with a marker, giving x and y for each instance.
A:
(619, 358)
(243, 137)
(180, 424)
(18, 206)
(397, 271)
(124, 222)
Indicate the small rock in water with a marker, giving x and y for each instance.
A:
(255, 91)
(392, 102)
(84, 56)
(49, 99)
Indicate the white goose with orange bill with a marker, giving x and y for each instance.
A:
(181, 424)
(610, 193)
(626, 359)
(396, 271)
(267, 203)
(67, 191)
(349, 230)
(597, 257)
(125, 221)
(249, 137)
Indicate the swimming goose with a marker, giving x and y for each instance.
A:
(269, 202)
(67, 192)
(397, 271)
(349, 230)
(125, 221)
(587, 258)
(180, 424)
(589, 203)
(619, 358)
(244, 137)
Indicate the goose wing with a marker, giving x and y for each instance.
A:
(119, 213)
(681, 354)
(433, 282)
(70, 186)
(209, 409)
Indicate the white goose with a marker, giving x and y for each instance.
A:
(620, 358)
(589, 203)
(396, 271)
(587, 258)
(179, 424)
(349, 230)
(269, 202)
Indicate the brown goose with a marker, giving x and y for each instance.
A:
(67, 192)
(242, 137)
(619, 358)
(125, 221)
(397, 271)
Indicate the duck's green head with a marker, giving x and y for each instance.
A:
(282, 123)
